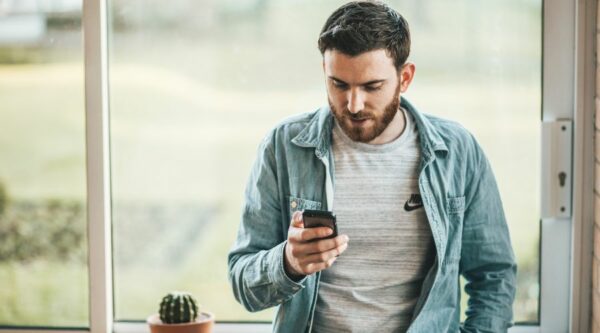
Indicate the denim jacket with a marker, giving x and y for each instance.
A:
(294, 171)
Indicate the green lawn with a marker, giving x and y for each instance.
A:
(43, 294)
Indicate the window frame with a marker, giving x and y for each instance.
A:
(568, 67)
(95, 30)
(585, 16)
(568, 90)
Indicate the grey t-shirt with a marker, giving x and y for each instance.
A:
(374, 285)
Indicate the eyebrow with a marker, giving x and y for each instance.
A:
(362, 84)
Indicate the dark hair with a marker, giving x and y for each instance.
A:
(362, 26)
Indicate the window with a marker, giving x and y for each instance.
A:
(480, 64)
(43, 247)
(194, 86)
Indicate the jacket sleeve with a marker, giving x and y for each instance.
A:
(487, 260)
(255, 261)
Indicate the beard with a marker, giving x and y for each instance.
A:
(362, 133)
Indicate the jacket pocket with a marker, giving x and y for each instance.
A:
(296, 203)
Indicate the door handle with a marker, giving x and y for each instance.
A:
(556, 168)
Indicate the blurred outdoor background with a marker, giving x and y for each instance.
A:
(194, 86)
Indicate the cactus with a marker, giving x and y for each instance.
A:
(178, 307)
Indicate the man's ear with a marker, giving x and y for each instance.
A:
(406, 75)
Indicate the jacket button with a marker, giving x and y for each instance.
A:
(294, 204)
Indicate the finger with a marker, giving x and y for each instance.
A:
(303, 248)
(296, 229)
(315, 267)
(312, 241)
(321, 245)
(324, 256)
(309, 234)
(294, 235)
(297, 220)
(328, 244)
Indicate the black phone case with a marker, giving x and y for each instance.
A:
(320, 218)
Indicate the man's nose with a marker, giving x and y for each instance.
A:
(356, 101)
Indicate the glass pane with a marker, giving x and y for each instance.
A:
(43, 248)
(479, 63)
(195, 87)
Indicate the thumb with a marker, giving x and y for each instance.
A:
(297, 220)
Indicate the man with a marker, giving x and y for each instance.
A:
(415, 199)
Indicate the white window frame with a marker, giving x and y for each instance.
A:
(584, 20)
(568, 93)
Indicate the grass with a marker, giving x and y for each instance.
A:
(43, 294)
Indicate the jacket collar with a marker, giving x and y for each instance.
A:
(317, 132)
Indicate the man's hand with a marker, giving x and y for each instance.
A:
(305, 253)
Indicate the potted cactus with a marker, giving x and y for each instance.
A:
(178, 313)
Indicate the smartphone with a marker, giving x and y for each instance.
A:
(320, 218)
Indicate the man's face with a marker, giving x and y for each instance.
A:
(363, 92)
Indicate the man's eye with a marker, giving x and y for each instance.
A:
(372, 88)
(340, 85)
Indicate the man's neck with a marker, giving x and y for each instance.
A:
(392, 131)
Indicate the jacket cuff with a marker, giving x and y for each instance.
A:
(278, 275)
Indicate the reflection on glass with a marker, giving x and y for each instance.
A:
(43, 250)
(195, 86)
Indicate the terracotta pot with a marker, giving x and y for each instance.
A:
(203, 324)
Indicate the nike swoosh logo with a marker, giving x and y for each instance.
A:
(410, 207)
(415, 202)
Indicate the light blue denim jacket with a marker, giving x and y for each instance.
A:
(294, 171)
